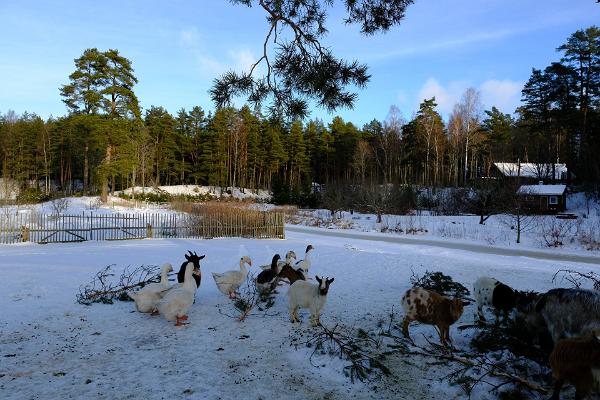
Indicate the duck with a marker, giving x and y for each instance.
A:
(176, 302)
(229, 282)
(147, 297)
(290, 258)
(304, 265)
(267, 279)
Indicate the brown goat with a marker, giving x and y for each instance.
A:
(576, 360)
(291, 274)
(431, 308)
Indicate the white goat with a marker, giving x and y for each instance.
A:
(303, 294)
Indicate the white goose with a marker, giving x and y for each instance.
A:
(229, 282)
(147, 297)
(304, 265)
(176, 303)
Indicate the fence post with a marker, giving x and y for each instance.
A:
(25, 233)
(148, 231)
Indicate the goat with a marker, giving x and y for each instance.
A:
(567, 312)
(195, 260)
(293, 275)
(491, 292)
(577, 361)
(431, 308)
(304, 294)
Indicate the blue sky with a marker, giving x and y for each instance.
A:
(178, 47)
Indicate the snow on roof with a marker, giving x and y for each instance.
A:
(543, 190)
(532, 170)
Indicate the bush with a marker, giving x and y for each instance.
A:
(161, 196)
(32, 195)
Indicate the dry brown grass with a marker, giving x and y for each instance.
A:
(288, 211)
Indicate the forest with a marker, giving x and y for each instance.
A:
(106, 142)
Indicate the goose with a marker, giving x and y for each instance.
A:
(147, 297)
(304, 265)
(290, 258)
(176, 302)
(230, 281)
(267, 279)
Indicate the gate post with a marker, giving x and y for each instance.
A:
(148, 231)
(25, 233)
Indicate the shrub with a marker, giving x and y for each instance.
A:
(32, 195)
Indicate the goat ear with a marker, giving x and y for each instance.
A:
(465, 303)
(330, 280)
(202, 256)
(318, 279)
(187, 257)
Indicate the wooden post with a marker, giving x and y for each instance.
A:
(25, 233)
(149, 231)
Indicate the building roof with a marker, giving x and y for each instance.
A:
(543, 190)
(532, 170)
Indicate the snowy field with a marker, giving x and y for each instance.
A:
(581, 235)
(51, 347)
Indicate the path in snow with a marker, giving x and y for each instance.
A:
(476, 248)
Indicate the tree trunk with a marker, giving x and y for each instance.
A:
(85, 168)
(107, 159)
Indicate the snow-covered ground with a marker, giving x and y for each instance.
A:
(539, 232)
(85, 204)
(51, 347)
(196, 190)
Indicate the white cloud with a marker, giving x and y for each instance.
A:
(445, 96)
(188, 37)
(503, 94)
(237, 60)
(446, 44)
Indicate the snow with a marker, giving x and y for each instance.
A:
(543, 190)
(578, 236)
(532, 170)
(195, 190)
(51, 347)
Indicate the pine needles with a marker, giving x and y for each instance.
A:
(357, 346)
(103, 288)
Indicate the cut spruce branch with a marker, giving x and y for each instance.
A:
(104, 288)
(249, 299)
(354, 345)
(439, 283)
(473, 368)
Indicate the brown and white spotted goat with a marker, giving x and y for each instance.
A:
(431, 308)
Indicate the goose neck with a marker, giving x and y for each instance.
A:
(164, 278)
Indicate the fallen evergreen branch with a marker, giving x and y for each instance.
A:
(357, 346)
(440, 283)
(248, 299)
(103, 288)
(500, 357)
